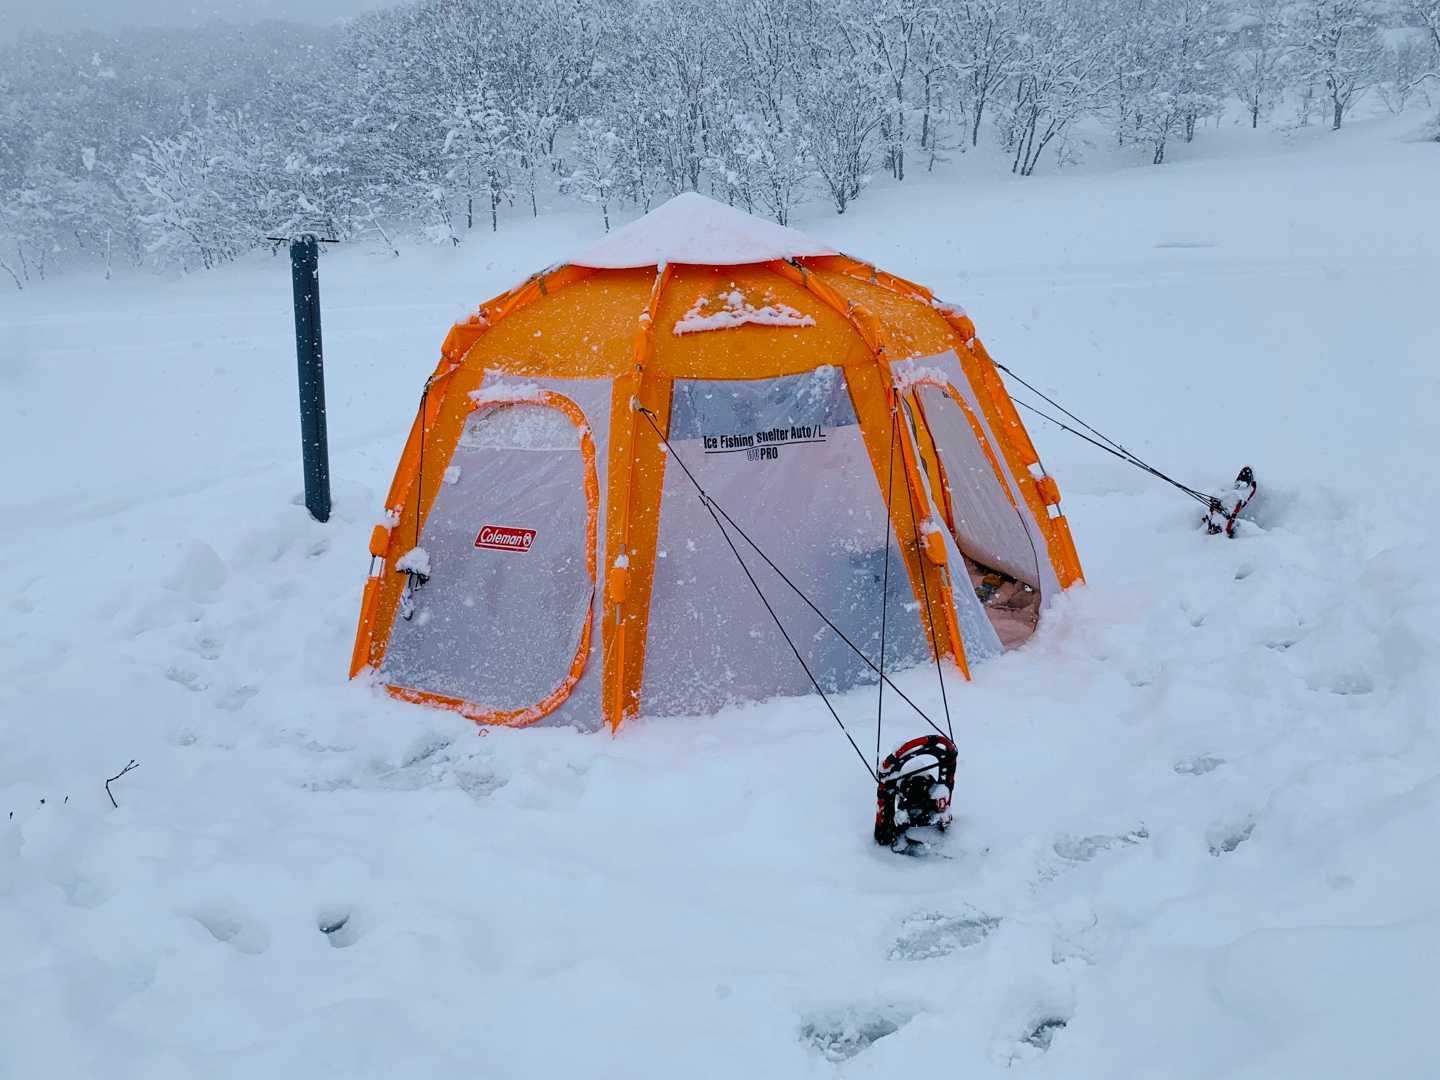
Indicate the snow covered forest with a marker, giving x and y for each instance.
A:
(183, 148)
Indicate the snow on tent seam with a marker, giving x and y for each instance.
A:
(574, 575)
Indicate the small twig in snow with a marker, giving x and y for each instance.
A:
(133, 765)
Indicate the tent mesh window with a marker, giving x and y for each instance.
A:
(499, 622)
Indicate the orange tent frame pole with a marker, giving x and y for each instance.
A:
(617, 578)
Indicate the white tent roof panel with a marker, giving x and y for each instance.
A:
(691, 228)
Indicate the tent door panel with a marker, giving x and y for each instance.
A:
(977, 633)
(503, 623)
(1002, 561)
(986, 524)
(786, 459)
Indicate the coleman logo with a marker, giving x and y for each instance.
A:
(503, 538)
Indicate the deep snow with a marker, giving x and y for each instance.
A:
(1197, 811)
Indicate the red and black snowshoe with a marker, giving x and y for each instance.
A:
(1225, 508)
(916, 784)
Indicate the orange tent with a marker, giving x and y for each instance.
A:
(547, 552)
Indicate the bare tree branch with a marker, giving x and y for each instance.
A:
(133, 764)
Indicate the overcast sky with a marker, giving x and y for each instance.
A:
(17, 15)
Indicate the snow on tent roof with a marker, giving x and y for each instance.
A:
(691, 228)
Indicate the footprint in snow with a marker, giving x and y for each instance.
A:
(234, 699)
(190, 680)
(1343, 683)
(1043, 1033)
(432, 760)
(1223, 839)
(424, 749)
(84, 892)
(241, 934)
(478, 785)
(840, 1034)
(1074, 850)
(207, 647)
(285, 590)
(339, 926)
(1198, 766)
(926, 935)
(1085, 848)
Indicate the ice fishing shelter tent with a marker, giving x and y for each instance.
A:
(546, 554)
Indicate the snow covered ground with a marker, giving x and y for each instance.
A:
(1197, 811)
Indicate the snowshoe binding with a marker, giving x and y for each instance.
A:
(916, 785)
(1224, 511)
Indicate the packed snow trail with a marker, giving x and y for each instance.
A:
(1194, 814)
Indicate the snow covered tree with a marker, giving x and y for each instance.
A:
(935, 71)
(1419, 69)
(1257, 63)
(985, 36)
(887, 36)
(1059, 74)
(598, 171)
(1404, 69)
(184, 147)
(759, 156)
(783, 170)
(734, 162)
(530, 148)
(762, 165)
(28, 221)
(766, 36)
(1335, 47)
(478, 146)
(1169, 70)
(1424, 16)
(208, 193)
(1200, 42)
(838, 126)
(839, 108)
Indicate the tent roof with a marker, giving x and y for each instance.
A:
(691, 228)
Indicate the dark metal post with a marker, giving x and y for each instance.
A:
(305, 271)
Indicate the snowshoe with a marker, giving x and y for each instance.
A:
(915, 788)
(1225, 508)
